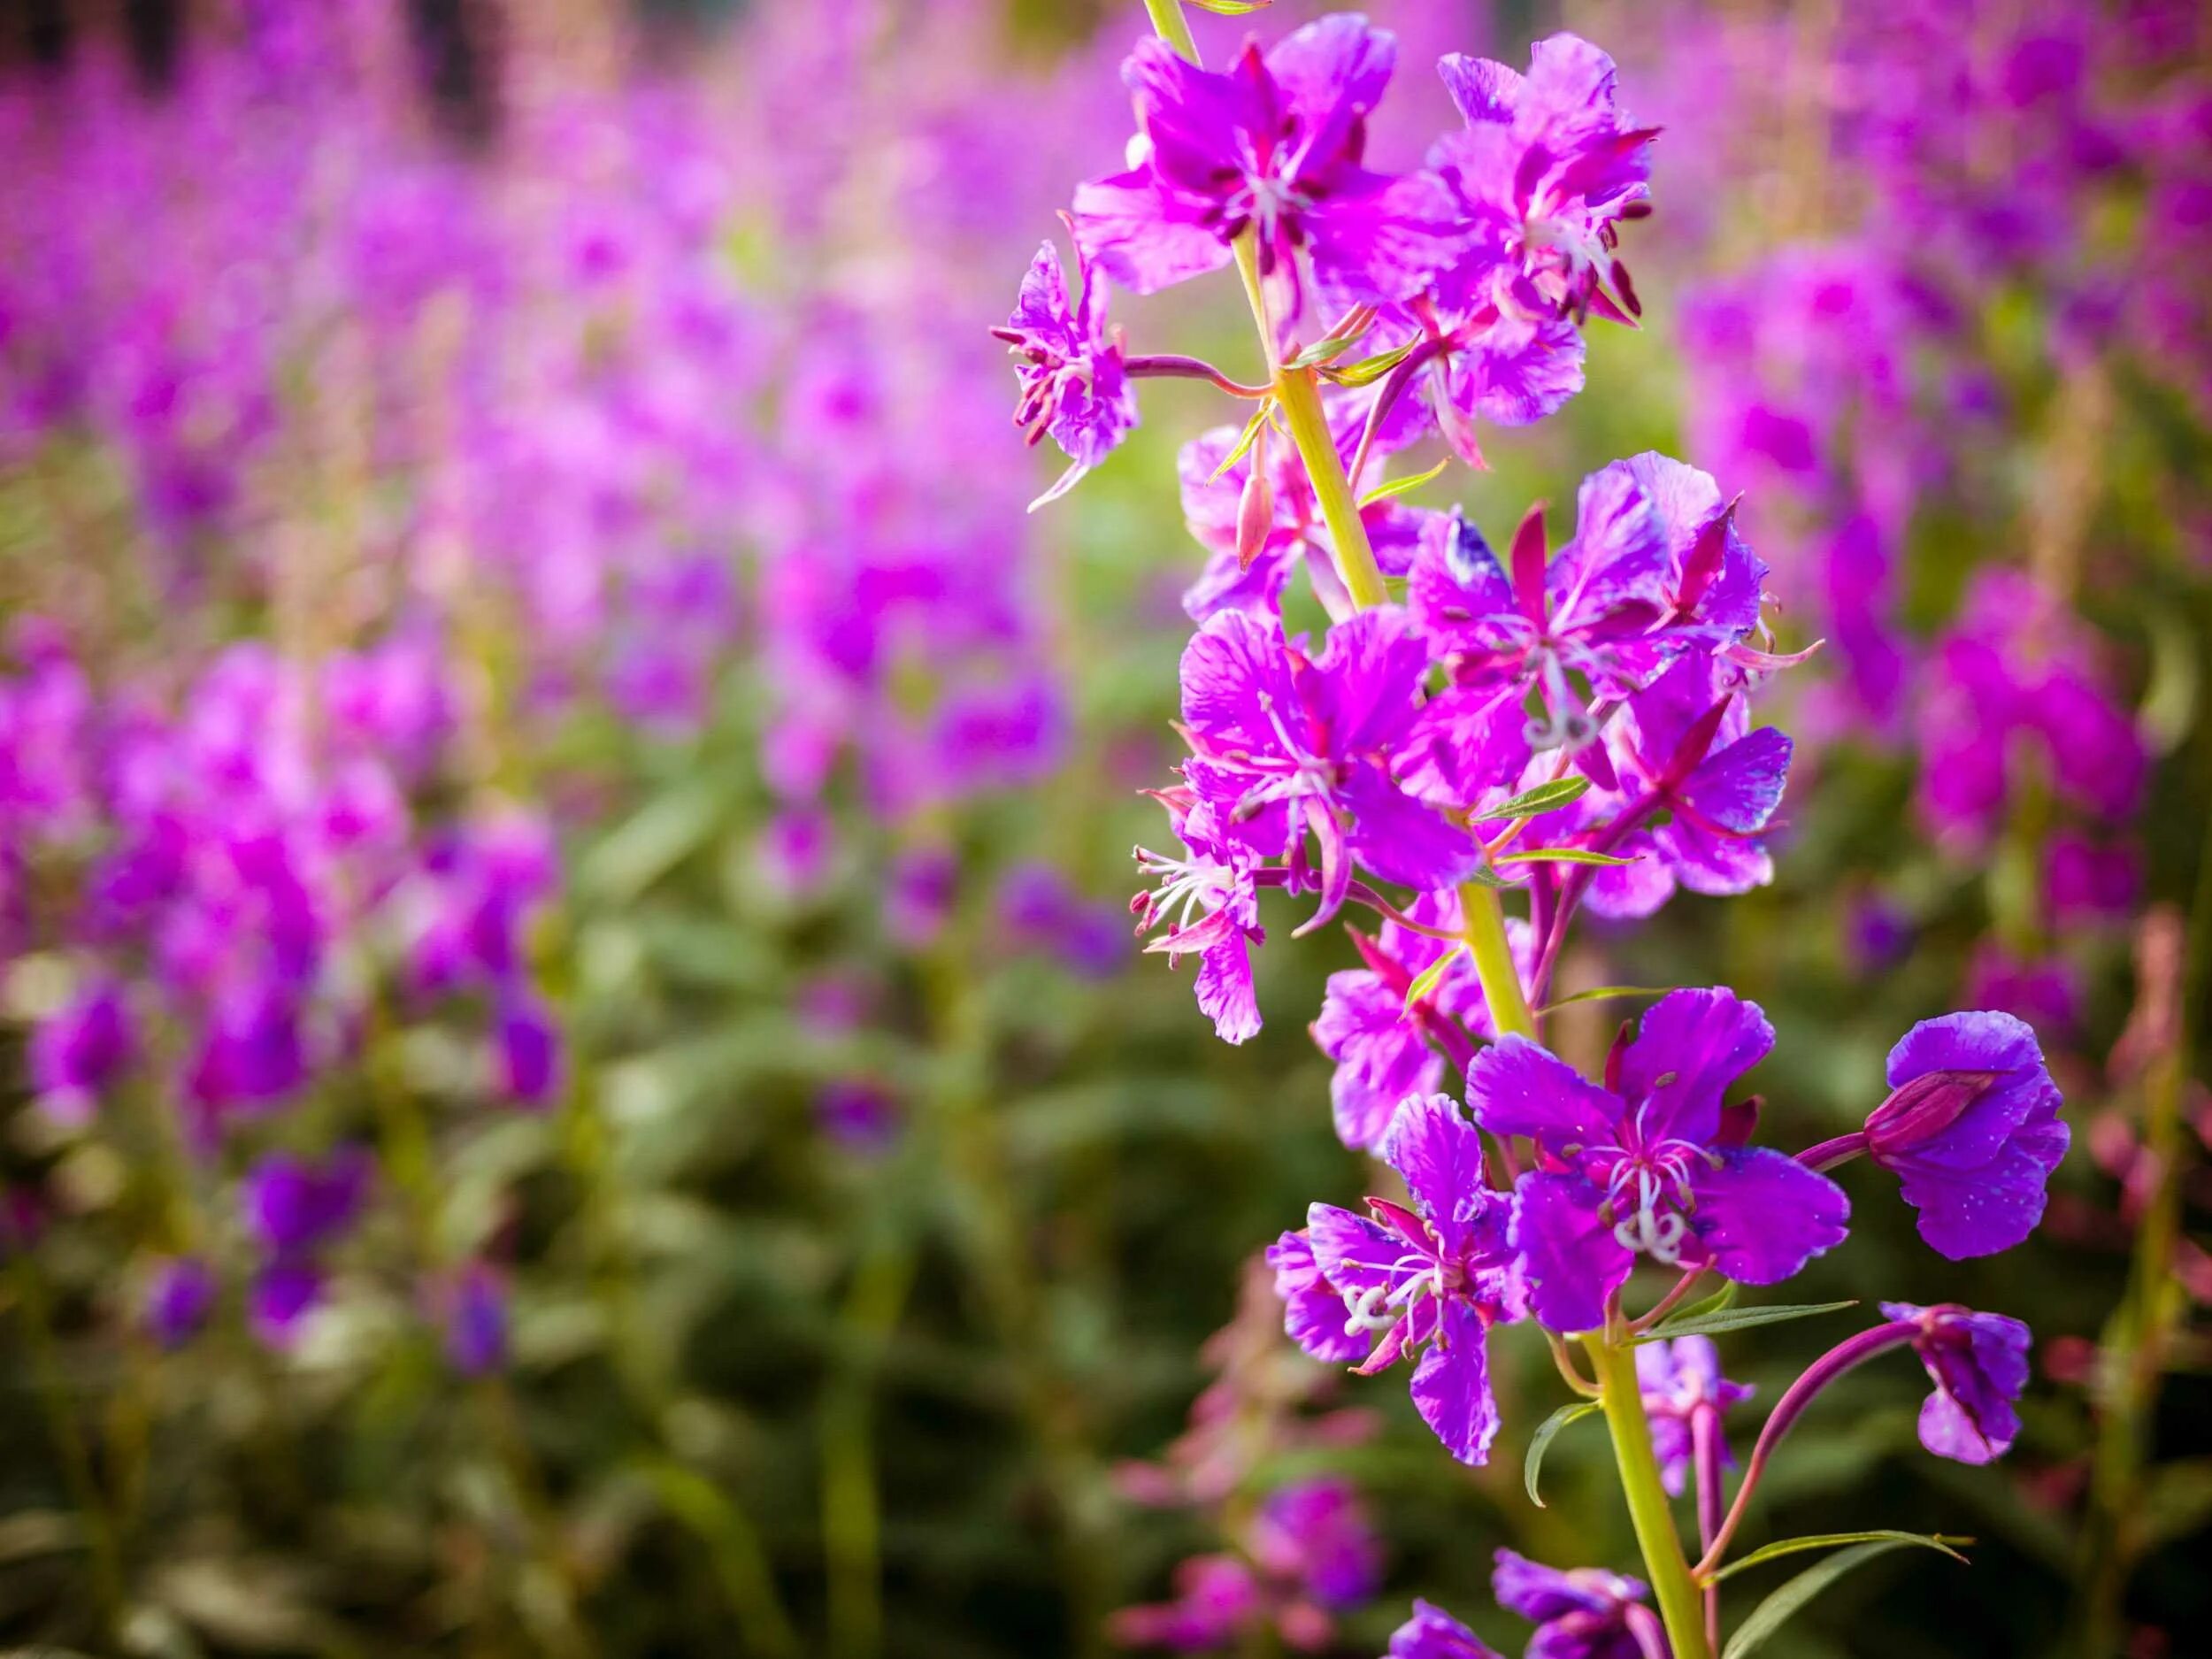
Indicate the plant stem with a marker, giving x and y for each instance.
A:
(852, 1517)
(1172, 25)
(1296, 390)
(1680, 1604)
(1485, 922)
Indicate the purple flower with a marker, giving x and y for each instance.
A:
(1682, 1385)
(1546, 170)
(919, 888)
(1382, 1047)
(1655, 570)
(76, 1052)
(1435, 1277)
(1217, 1599)
(1315, 1535)
(1649, 1163)
(1972, 1130)
(1585, 1613)
(1288, 743)
(1209, 899)
(1273, 144)
(1473, 363)
(281, 1297)
(1978, 1363)
(859, 1116)
(1250, 560)
(1433, 1633)
(1072, 378)
(527, 1046)
(475, 1319)
(292, 1205)
(179, 1297)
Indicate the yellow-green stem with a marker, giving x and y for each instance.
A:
(1680, 1607)
(1301, 398)
(1172, 25)
(1483, 927)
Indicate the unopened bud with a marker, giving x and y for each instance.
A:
(1256, 508)
(1917, 1111)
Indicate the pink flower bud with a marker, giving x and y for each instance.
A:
(1918, 1111)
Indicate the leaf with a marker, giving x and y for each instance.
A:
(1546, 1433)
(1771, 1614)
(1231, 8)
(1563, 856)
(1247, 439)
(1391, 487)
(1367, 371)
(1602, 993)
(1736, 1319)
(1544, 797)
(1724, 1297)
(1432, 976)
(1833, 1540)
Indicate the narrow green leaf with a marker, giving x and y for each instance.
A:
(1546, 1433)
(1704, 1306)
(1247, 438)
(1431, 975)
(1367, 371)
(1562, 855)
(1606, 993)
(1738, 1319)
(1836, 1540)
(1391, 487)
(1231, 8)
(1544, 797)
(1777, 1611)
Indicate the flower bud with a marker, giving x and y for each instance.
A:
(1917, 1111)
(1256, 508)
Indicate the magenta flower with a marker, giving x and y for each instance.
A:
(1655, 570)
(1248, 566)
(1209, 899)
(79, 1050)
(1547, 167)
(1582, 1613)
(1433, 1279)
(292, 1205)
(1649, 1165)
(1384, 1048)
(1072, 383)
(474, 1313)
(1272, 144)
(1978, 1363)
(1685, 1395)
(1972, 1131)
(1289, 742)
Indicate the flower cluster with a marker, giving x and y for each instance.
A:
(1572, 726)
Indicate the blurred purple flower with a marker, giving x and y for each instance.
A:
(179, 1296)
(1685, 1394)
(1978, 1363)
(1583, 1613)
(79, 1050)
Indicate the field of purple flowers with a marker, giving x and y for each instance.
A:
(581, 1073)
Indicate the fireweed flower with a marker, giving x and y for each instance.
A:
(1072, 383)
(179, 1297)
(1433, 1279)
(474, 1311)
(1978, 1363)
(1210, 900)
(1655, 570)
(1972, 1131)
(1546, 168)
(79, 1050)
(1649, 1165)
(1289, 742)
(1248, 572)
(1682, 1386)
(1382, 1047)
(1310, 1553)
(1433, 1633)
(1582, 1613)
(1699, 788)
(1272, 144)
(292, 1205)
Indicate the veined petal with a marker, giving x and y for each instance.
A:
(1689, 1048)
(1519, 1088)
(1573, 1261)
(1451, 1386)
(1762, 1214)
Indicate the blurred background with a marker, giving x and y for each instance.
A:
(576, 1079)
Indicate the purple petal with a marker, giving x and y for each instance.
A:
(1451, 1386)
(1143, 233)
(1690, 1046)
(1381, 1053)
(1233, 671)
(1314, 1314)
(1438, 1154)
(1433, 1633)
(1404, 839)
(1225, 989)
(1572, 1260)
(1519, 1088)
(1762, 1214)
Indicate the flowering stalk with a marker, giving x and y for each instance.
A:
(1680, 1606)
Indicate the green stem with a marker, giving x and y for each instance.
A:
(1172, 25)
(1485, 933)
(1680, 1607)
(852, 1517)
